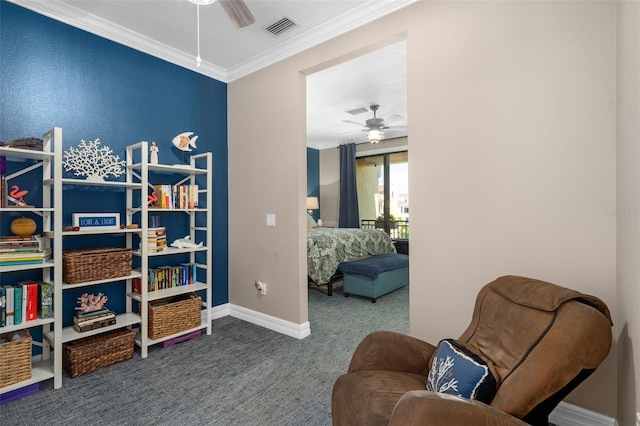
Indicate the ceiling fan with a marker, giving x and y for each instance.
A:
(237, 10)
(375, 127)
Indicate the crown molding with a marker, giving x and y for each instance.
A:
(370, 11)
(346, 22)
(75, 17)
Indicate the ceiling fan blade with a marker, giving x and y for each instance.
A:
(355, 123)
(352, 132)
(238, 12)
(394, 119)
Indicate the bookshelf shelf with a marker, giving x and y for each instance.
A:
(205, 322)
(133, 274)
(40, 371)
(123, 320)
(170, 292)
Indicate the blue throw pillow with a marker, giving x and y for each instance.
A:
(458, 371)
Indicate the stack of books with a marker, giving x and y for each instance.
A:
(22, 250)
(85, 321)
(156, 239)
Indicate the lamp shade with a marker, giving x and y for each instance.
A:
(312, 203)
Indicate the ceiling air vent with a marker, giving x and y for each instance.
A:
(281, 26)
(357, 111)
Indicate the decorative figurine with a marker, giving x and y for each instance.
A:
(16, 196)
(91, 302)
(93, 161)
(185, 243)
(184, 142)
(152, 199)
(23, 226)
(153, 159)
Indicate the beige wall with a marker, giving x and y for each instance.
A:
(512, 116)
(628, 208)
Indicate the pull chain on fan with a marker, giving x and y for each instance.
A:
(198, 3)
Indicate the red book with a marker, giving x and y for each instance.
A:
(30, 299)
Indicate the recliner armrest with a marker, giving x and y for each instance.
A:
(426, 408)
(388, 350)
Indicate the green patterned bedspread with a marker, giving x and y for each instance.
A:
(327, 247)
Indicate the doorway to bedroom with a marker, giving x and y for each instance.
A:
(342, 100)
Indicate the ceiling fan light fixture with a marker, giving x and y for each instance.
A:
(202, 2)
(375, 135)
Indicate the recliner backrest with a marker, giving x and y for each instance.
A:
(539, 339)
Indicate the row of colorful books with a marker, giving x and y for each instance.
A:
(176, 196)
(16, 250)
(26, 301)
(167, 277)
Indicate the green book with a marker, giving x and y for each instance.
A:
(17, 304)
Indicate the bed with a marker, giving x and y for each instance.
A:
(327, 247)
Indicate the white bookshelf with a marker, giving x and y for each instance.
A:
(36, 165)
(200, 230)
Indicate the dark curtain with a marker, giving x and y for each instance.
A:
(349, 217)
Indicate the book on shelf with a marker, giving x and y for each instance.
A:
(17, 304)
(88, 320)
(3, 307)
(94, 313)
(23, 258)
(45, 301)
(93, 325)
(12, 238)
(29, 299)
(9, 305)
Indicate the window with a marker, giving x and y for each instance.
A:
(383, 192)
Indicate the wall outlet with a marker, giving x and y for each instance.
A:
(261, 287)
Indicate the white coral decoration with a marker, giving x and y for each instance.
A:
(441, 378)
(93, 161)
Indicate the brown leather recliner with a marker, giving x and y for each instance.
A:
(539, 340)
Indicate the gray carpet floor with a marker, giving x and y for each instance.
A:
(242, 374)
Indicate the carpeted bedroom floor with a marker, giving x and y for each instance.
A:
(242, 374)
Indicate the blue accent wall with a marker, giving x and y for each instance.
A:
(313, 177)
(55, 75)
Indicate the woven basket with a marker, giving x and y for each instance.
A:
(93, 353)
(15, 359)
(95, 264)
(167, 317)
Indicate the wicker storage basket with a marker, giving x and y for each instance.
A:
(95, 264)
(170, 316)
(15, 359)
(93, 353)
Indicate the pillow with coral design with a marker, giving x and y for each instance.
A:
(456, 370)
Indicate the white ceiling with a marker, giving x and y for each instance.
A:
(167, 29)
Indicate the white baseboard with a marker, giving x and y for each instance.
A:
(566, 414)
(220, 311)
(288, 328)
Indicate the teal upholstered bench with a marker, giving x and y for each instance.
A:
(375, 276)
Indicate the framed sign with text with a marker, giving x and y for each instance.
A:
(96, 220)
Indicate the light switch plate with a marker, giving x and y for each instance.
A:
(271, 219)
